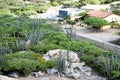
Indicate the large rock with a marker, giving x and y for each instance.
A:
(64, 53)
(14, 74)
(28, 43)
(46, 57)
(37, 74)
(75, 75)
(52, 71)
(67, 71)
(6, 78)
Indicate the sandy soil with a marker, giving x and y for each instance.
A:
(51, 78)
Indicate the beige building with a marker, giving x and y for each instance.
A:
(110, 17)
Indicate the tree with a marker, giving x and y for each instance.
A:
(83, 15)
(95, 22)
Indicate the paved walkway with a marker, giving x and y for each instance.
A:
(105, 35)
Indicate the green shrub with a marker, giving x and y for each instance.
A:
(89, 59)
(29, 12)
(6, 12)
(55, 37)
(54, 3)
(42, 49)
(95, 22)
(51, 47)
(42, 8)
(51, 63)
(92, 50)
(25, 62)
(117, 11)
(115, 75)
(30, 7)
(38, 49)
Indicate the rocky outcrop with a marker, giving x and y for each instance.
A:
(74, 68)
(37, 74)
(14, 74)
(66, 54)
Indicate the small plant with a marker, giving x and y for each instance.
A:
(112, 65)
(81, 52)
(5, 50)
(61, 63)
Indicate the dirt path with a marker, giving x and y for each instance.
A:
(50, 77)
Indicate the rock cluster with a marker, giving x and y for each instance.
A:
(75, 69)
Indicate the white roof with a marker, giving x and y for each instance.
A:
(116, 2)
(95, 7)
(73, 11)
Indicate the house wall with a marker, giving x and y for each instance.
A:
(113, 17)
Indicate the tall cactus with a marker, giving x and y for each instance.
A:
(111, 64)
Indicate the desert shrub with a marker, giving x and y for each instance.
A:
(51, 63)
(14, 8)
(42, 8)
(30, 7)
(42, 49)
(24, 62)
(54, 3)
(55, 37)
(92, 50)
(115, 75)
(29, 12)
(89, 59)
(6, 12)
(38, 48)
(51, 47)
(117, 11)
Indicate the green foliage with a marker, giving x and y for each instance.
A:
(55, 37)
(54, 3)
(61, 64)
(5, 50)
(6, 12)
(89, 59)
(51, 63)
(42, 49)
(83, 14)
(26, 62)
(115, 75)
(42, 8)
(117, 11)
(93, 1)
(112, 66)
(95, 22)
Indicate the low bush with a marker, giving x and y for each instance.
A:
(117, 11)
(42, 49)
(26, 62)
(42, 8)
(6, 12)
(54, 3)
(89, 59)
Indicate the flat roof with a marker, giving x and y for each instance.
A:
(116, 2)
(71, 9)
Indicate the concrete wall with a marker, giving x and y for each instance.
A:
(102, 44)
(112, 17)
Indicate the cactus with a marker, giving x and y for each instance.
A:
(111, 64)
(81, 52)
(5, 50)
(61, 61)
